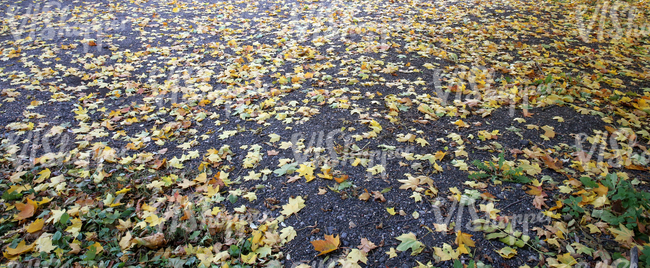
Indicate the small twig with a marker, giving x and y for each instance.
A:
(514, 203)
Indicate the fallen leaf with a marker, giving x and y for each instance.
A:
(153, 241)
(409, 241)
(328, 245)
(366, 245)
(35, 226)
(507, 252)
(26, 210)
(294, 205)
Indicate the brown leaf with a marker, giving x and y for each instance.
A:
(378, 196)
(552, 162)
(26, 210)
(293, 178)
(75, 248)
(330, 244)
(364, 196)
(153, 241)
(538, 201)
(366, 245)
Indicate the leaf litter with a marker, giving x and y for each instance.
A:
(166, 137)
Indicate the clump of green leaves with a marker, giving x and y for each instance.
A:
(629, 206)
(498, 171)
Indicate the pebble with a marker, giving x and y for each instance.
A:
(344, 235)
(346, 243)
(382, 259)
(330, 230)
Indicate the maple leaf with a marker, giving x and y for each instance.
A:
(355, 256)
(35, 226)
(328, 245)
(490, 210)
(75, 246)
(125, 242)
(538, 201)
(446, 253)
(294, 205)
(44, 174)
(416, 196)
(75, 227)
(21, 248)
(409, 241)
(44, 243)
(306, 171)
(26, 210)
(464, 239)
(366, 245)
(460, 123)
(287, 234)
(623, 235)
(552, 163)
(410, 183)
(376, 169)
(567, 259)
(274, 137)
(341, 179)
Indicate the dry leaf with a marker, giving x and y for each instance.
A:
(330, 244)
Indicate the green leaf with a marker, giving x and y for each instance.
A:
(409, 241)
(588, 182)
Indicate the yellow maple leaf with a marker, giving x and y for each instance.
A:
(75, 228)
(36, 226)
(125, 242)
(306, 171)
(623, 235)
(294, 205)
(44, 175)
(490, 210)
(13, 253)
